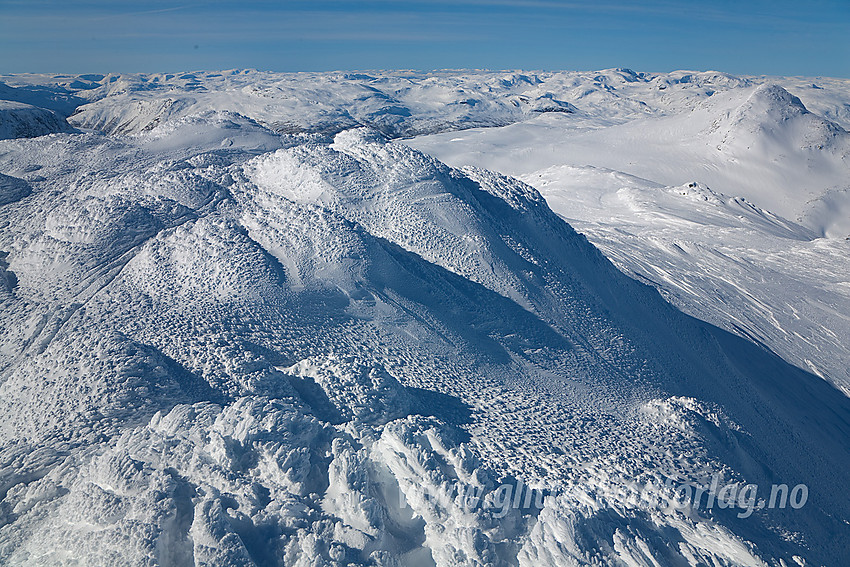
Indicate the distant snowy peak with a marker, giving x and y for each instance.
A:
(774, 101)
(706, 79)
(770, 114)
(19, 120)
(142, 115)
(545, 103)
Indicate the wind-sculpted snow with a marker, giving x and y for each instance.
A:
(12, 189)
(224, 345)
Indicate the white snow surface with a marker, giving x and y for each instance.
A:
(737, 208)
(241, 326)
(20, 120)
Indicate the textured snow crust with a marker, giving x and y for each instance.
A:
(227, 345)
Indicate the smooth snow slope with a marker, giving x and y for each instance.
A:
(227, 346)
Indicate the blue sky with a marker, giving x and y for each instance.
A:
(757, 37)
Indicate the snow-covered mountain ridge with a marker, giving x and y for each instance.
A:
(395, 103)
(761, 254)
(227, 342)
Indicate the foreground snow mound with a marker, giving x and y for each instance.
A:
(227, 346)
(19, 120)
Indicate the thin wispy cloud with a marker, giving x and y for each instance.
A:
(144, 12)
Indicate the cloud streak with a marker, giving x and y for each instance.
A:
(144, 12)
